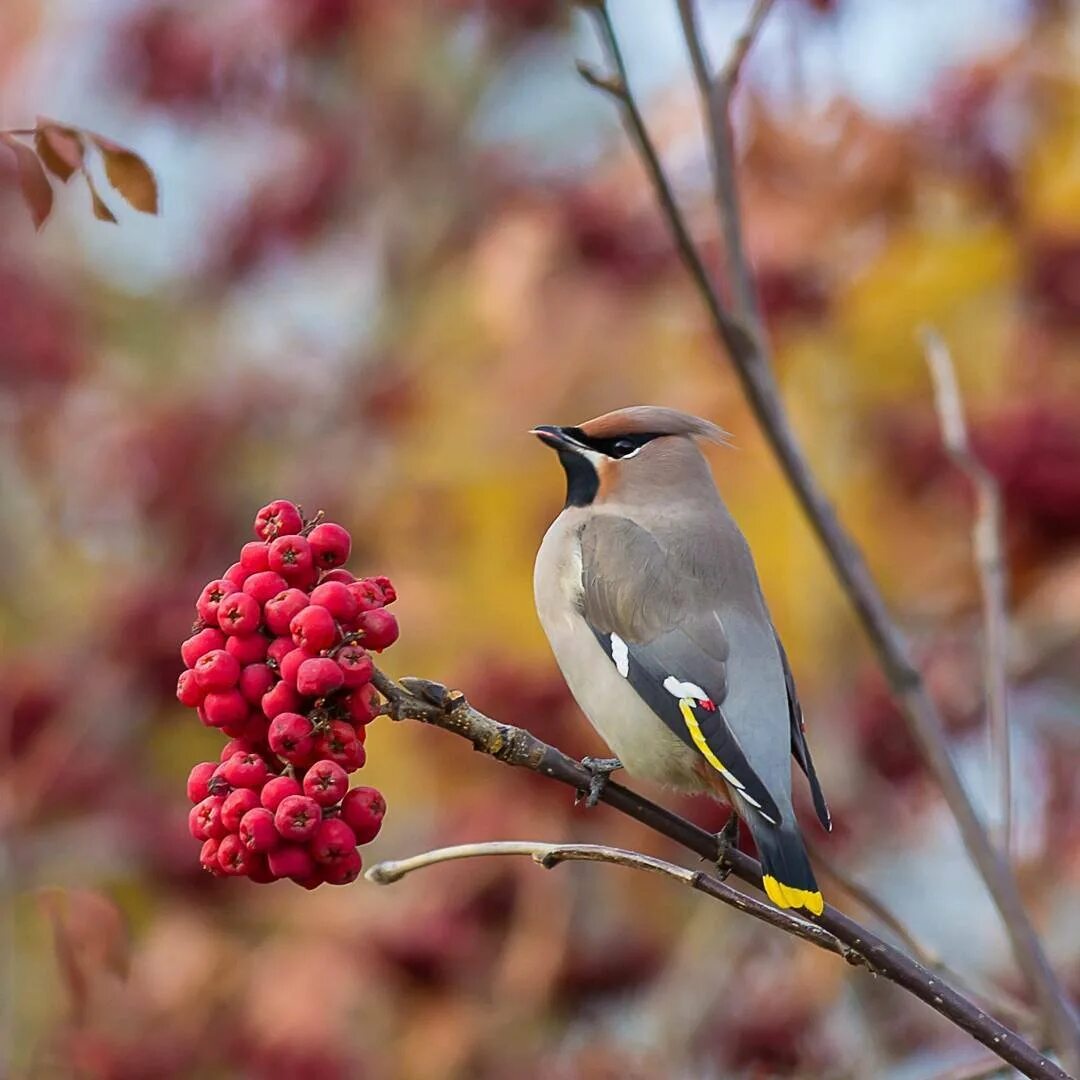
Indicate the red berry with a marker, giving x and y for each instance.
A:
(356, 665)
(255, 681)
(339, 743)
(260, 871)
(297, 817)
(279, 648)
(277, 789)
(291, 861)
(211, 596)
(248, 649)
(388, 590)
(233, 858)
(255, 556)
(313, 629)
(333, 840)
(363, 810)
(280, 699)
(291, 557)
(237, 575)
(326, 782)
(207, 815)
(367, 595)
(330, 545)
(255, 730)
(363, 705)
(281, 607)
(257, 831)
(198, 782)
(200, 644)
(188, 690)
(236, 806)
(279, 518)
(208, 858)
(379, 627)
(217, 784)
(245, 770)
(318, 677)
(289, 667)
(217, 670)
(343, 871)
(225, 708)
(239, 614)
(336, 598)
(291, 737)
(264, 586)
(337, 575)
(233, 746)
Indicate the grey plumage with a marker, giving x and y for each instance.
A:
(650, 599)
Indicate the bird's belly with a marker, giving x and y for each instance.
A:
(645, 745)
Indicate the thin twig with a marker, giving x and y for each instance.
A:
(716, 102)
(989, 548)
(432, 703)
(550, 855)
(749, 354)
(1012, 1010)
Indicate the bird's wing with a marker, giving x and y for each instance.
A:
(664, 635)
(800, 748)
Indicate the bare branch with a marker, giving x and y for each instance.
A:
(432, 703)
(550, 855)
(736, 337)
(989, 546)
(749, 354)
(1005, 1005)
(547, 855)
(716, 104)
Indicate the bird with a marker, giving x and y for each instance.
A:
(649, 596)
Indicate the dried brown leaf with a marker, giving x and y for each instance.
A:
(34, 184)
(129, 174)
(59, 147)
(101, 210)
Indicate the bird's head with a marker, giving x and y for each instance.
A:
(644, 448)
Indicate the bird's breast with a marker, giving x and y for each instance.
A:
(637, 736)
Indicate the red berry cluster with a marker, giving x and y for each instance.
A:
(279, 662)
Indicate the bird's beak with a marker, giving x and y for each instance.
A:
(555, 437)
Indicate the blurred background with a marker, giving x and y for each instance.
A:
(394, 237)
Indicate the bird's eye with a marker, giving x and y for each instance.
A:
(623, 447)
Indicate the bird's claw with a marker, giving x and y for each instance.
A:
(599, 770)
(726, 839)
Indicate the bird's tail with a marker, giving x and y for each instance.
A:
(785, 869)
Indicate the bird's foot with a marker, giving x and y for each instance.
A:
(599, 770)
(727, 839)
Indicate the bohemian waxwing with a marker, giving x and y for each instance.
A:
(649, 597)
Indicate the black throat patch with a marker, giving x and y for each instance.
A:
(582, 482)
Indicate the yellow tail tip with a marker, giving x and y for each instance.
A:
(786, 896)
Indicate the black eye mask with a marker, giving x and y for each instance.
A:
(617, 447)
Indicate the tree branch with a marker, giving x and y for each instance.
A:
(989, 547)
(1013, 1011)
(550, 855)
(432, 703)
(749, 354)
(716, 101)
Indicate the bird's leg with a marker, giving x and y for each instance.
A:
(599, 770)
(727, 838)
